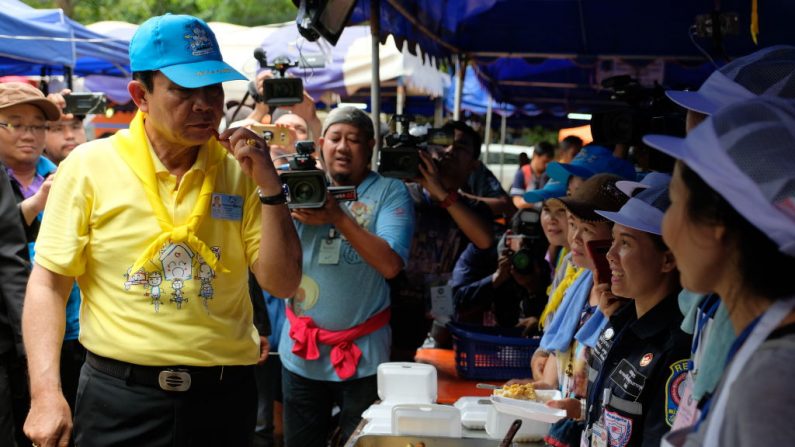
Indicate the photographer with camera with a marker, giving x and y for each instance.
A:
(513, 290)
(446, 222)
(65, 134)
(265, 114)
(337, 332)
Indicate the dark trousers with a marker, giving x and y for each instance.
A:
(308, 404)
(111, 412)
(14, 400)
(269, 390)
(73, 354)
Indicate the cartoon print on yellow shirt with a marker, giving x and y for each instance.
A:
(177, 264)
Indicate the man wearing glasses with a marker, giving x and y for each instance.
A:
(24, 112)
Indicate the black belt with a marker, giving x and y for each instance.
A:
(168, 378)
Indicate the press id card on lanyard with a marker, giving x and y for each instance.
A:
(330, 248)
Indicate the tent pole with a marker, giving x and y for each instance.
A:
(459, 86)
(375, 83)
(503, 130)
(67, 74)
(438, 111)
(400, 100)
(487, 136)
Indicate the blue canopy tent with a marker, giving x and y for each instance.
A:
(550, 52)
(35, 41)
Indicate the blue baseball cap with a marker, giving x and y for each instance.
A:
(592, 159)
(551, 190)
(183, 48)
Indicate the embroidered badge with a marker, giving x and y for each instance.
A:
(609, 333)
(646, 359)
(674, 390)
(619, 429)
(199, 42)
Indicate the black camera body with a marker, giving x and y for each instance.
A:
(642, 110)
(282, 91)
(528, 245)
(85, 103)
(305, 185)
(400, 157)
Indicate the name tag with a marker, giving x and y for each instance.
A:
(330, 251)
(442, 301)
(226, 206)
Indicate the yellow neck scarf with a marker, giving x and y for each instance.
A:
(133, 148)
(556, 298)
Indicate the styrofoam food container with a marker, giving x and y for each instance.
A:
(537, 411)
(473, 411)
(426, 420)
(536, 416)
(406, 382)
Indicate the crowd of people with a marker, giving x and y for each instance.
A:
(158, 288)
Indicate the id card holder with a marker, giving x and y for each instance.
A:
(330, 249)
(441, 301)
(598, 436)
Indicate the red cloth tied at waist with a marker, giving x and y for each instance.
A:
(345, 354)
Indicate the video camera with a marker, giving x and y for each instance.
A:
(528, 244)
(79, 103)
(643, 110)
(281, 90)
(305, 185)
(400, 157)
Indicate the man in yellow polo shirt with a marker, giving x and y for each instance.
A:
(160, 225)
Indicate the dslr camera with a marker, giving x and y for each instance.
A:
(400, 157)
(305, 185)
(528, 245)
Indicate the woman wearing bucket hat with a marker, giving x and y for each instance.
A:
(578, 322)
(641, 357)
(731, 225)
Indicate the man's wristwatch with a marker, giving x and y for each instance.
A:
(276, 199)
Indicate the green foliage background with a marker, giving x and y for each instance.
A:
(240, 12)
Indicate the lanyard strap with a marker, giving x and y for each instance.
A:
(769, 322)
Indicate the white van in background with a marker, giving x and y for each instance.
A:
(503, 161)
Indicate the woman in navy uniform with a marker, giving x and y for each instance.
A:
(640, 359)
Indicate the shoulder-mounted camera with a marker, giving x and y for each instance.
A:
(400, 158)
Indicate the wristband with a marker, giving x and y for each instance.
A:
(276, 199)
(449, 200)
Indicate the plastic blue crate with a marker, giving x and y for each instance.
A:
(491, 353)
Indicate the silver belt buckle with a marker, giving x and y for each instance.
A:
(174, 380)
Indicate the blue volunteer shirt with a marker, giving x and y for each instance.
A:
(343, 295)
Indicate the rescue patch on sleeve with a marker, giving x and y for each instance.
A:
(674, 389)
(619, 429)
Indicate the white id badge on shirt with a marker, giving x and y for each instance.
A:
(441, 301)
(330, 251)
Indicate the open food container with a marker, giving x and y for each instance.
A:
(536, 416)
(426, 420)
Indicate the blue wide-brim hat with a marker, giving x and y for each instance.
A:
(183, 48)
